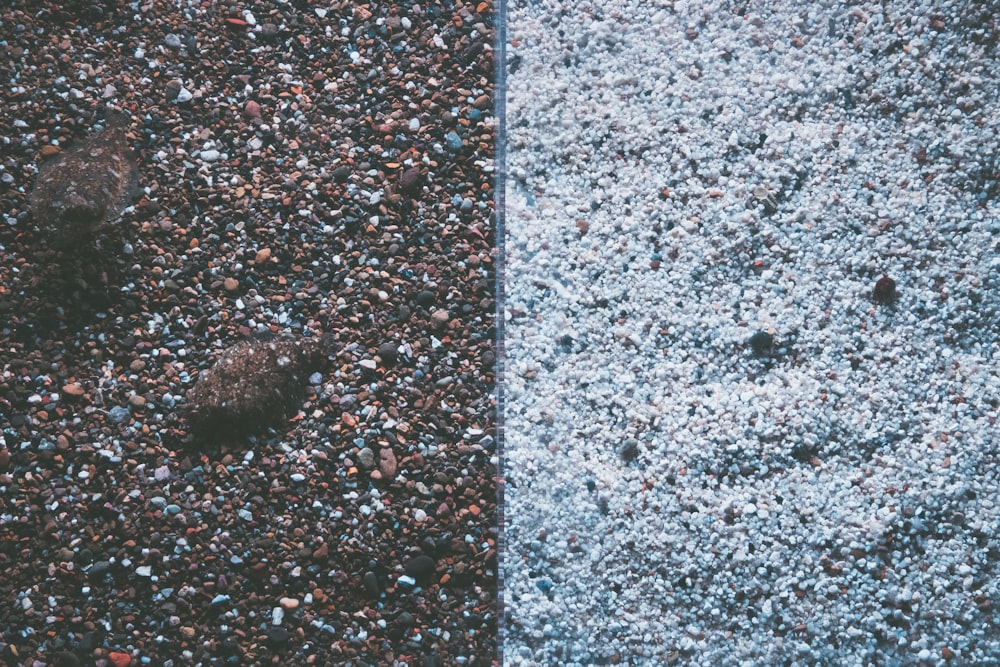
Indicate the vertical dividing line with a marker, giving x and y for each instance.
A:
(500, 151)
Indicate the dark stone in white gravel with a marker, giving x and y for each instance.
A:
(762, 343)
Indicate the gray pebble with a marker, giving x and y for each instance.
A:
(366, 457)
(118, 414)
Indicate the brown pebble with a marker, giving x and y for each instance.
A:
(387, 463)
(263, 255)
(74, 390)
(231, 284)
(440, 318)
(409, 180)
(884, 291)
(137, 401)
(252, 109)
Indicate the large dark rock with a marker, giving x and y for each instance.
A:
(82, 190)
(255, 383)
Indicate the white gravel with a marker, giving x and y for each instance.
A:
(671, 496)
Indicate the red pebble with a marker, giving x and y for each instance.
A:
(236, 22)
(120, 659)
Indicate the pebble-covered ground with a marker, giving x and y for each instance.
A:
(725, 445)
(306, 168)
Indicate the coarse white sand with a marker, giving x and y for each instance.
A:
(681, 176)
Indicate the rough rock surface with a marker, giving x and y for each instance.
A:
(255, 383)
(79, 192)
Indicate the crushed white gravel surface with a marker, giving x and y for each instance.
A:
(682, 176)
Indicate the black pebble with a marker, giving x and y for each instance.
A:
(98, 569)
(762, 343)
(628, 450)
(88, 642)
(425, 298)
(65, 659)
(371, 584)
(420, 566)
(387, 352)
(278, 635)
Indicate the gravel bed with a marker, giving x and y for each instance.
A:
(305, 169)
(751, 320)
